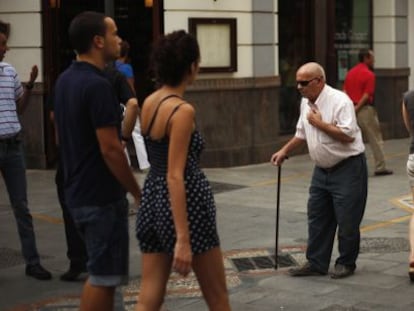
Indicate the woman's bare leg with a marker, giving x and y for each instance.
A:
(209, 269)
(156, 268)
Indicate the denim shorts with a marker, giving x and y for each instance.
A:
(105, 232)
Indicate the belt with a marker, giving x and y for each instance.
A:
(339, 164)
(10, 140)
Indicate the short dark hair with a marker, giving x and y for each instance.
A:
(172, 57)
(363, 53)
(5, 28)
(84, 27)
(124, 48)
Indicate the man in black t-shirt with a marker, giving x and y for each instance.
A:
(76, 251)
(95, 168)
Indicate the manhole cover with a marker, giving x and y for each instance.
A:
(262, 262)
(384, 245)
(11, 257)
(218, 187)
(341, 308)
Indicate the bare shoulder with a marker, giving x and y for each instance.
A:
(185, 111)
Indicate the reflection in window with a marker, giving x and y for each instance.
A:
(352, 33)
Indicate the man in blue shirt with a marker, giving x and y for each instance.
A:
(95, 168)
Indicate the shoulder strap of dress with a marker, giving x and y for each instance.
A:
(156, 111)
(169, 118)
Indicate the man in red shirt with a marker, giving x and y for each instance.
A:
(360, 86)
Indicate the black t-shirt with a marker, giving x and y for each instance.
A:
(85, 101)
(120, 84)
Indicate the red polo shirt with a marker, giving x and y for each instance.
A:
(359, 80)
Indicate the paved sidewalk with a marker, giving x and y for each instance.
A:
(245, 198)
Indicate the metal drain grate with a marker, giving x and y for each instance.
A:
(218, 187)
(262, 262)
(11, 257)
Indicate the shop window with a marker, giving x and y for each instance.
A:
(353, 31)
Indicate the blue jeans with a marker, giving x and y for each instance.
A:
(337, 199)
(13, 169)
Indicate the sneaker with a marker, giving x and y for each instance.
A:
(72, 274)
(305, 270)
(38, 272)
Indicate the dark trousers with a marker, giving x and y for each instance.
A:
(337, 198)
(13, 170)
(76, 250)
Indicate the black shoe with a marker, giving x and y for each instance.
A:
(305, 270)
(38, 272)
(72, 274)
(411, 272)
(383, 172)
(342, 271)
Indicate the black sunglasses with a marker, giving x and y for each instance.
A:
(306, 82)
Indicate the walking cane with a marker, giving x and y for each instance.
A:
(279, 169)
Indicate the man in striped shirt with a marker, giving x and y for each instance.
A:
(13, 101)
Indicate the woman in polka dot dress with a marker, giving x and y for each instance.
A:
(176, 222)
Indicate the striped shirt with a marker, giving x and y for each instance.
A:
(336, 108)
(10, 91)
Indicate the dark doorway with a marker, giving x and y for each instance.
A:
(135, 25)
(295, 49)
(139, 22)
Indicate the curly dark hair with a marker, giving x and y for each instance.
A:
(172, 57)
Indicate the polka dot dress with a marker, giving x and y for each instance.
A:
(155, 226)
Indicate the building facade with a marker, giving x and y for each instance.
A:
(246, 99)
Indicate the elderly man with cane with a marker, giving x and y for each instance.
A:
(338, 190)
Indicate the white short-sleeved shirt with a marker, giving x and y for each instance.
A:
(10, 91)
(336, 108)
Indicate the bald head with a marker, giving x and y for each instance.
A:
(312, 69)
(310, 80)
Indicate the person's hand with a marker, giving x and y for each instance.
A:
(314, 117)
(33, 74)
(182, 258)
(278, 157)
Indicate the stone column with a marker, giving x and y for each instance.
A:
(390, 30)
